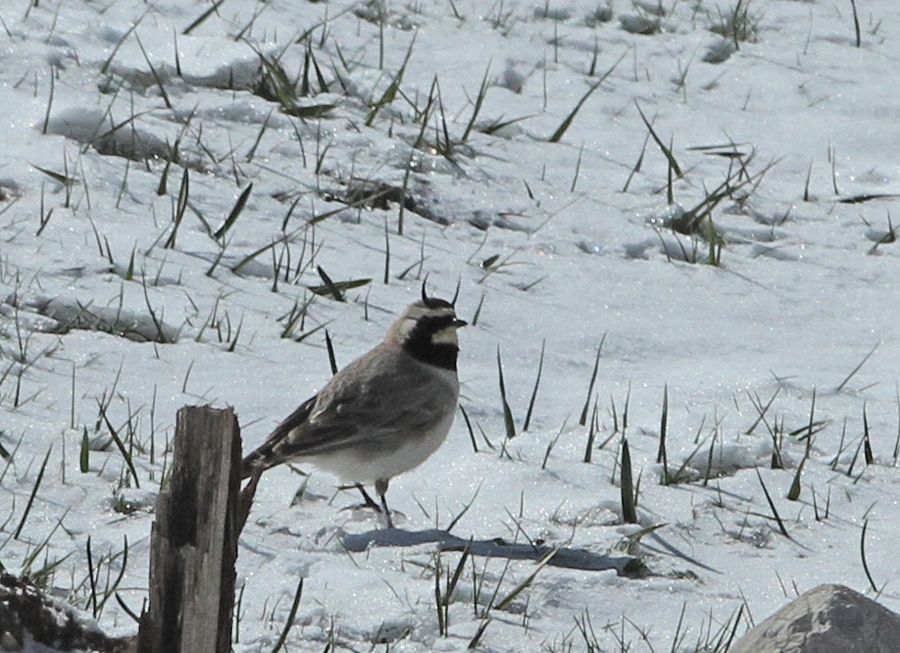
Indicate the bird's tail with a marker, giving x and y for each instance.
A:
(248, 465)
(256, 463)
(267, 454)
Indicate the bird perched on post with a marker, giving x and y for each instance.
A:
(383, 414)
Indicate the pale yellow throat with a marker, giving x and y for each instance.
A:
(446, 336)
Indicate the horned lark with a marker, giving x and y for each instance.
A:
(383, 414)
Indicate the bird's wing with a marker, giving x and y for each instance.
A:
(376, 397)
(262, 457)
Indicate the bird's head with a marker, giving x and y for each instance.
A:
(427, 331)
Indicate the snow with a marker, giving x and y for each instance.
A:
(540, 236)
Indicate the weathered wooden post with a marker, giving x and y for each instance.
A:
(194, 538)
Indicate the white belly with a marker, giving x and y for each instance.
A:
(370, 464)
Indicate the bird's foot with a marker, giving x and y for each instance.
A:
(369, 502)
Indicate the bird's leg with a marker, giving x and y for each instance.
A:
(369, 501)
(387, 513)
(381, 486)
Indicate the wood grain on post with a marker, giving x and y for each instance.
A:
(194, 538)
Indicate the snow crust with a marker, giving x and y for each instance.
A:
(549, 249)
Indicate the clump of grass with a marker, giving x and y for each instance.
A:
(737, 185)
(602, 14)
(714, 243)
(98, 596)
(275, 85)
(391, 92)
(640, 23)
(737, 24)
(443, 599)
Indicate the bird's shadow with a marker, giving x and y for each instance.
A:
(567, 558)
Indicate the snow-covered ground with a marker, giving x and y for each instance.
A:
(120, 119)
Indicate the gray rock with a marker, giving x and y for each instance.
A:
(827, 619)
(8, 642)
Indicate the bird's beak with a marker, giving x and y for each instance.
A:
(459, 323)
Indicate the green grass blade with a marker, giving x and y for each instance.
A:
(564, 126)
(508, 420)
(34, 491)
(235, 212)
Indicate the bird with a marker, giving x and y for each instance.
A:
(382, 415)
